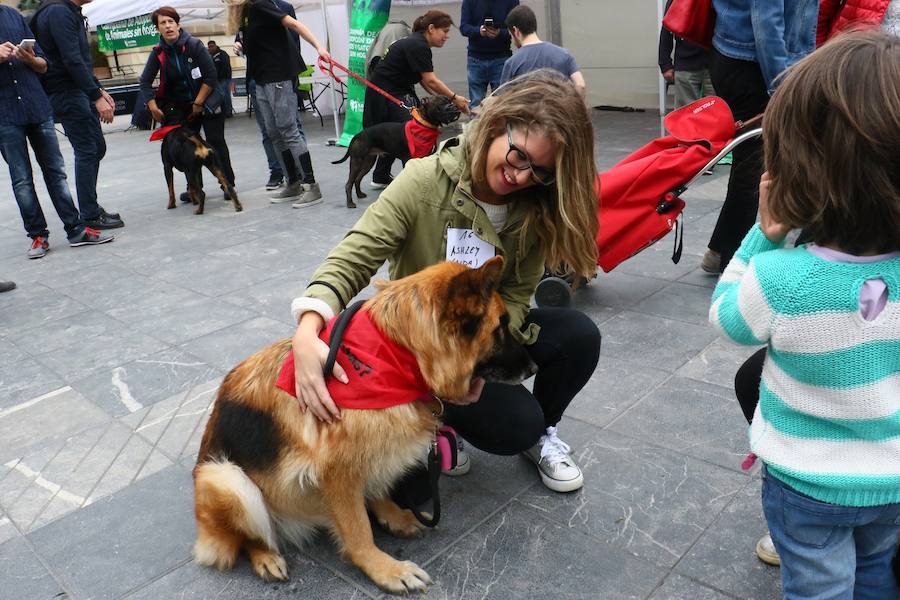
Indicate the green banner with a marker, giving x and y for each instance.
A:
(127, 33)
(366, 20)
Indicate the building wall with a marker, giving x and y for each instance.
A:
(616, 46)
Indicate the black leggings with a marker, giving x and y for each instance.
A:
(509, 419)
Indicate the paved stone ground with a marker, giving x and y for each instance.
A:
(110, 357)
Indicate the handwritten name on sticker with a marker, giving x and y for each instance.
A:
(466, 248)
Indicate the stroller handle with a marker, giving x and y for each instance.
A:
(753, 133)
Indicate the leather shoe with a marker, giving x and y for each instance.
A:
(6, 286)
(109, 214)
(104, 221)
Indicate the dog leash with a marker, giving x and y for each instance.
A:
(330, 71)
(441, 437)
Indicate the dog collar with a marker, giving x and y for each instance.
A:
(381, 373)
(417, 115)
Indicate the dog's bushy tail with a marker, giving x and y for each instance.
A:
(228, 505)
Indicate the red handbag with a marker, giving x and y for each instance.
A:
(692, 20)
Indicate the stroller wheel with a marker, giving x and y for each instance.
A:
(553, 292)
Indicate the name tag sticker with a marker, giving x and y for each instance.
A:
(464, 247)
(195, 73)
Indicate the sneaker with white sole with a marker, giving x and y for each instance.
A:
(765, 550)
(39, 247)
(287, 193)
(312, 195)
(463, 464)
(555, 464)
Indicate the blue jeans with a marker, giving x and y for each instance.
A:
(481, 72)
(829, 551)
(14, 148)
(81, 122)
(225, 89)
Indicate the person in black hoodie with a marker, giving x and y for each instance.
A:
(187, 84)
(79, 103)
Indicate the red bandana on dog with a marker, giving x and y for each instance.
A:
(162, 132)
(420, 139)
(381, 373)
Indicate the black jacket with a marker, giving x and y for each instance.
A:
(61, 31)
(186, 64)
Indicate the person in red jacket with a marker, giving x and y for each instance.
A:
(839, 15)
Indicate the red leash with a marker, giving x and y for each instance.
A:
(330, 71)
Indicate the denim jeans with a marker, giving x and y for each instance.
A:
(480, 73)
(830, 551)
(277, 105)
(225, 90)
(81, 122)
(14, 148)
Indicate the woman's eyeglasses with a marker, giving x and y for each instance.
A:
(518, 159)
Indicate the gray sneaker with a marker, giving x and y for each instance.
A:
(556, 466)
(91, 237)
(38, 249)
(287, 193)
(712, 262)
(312, 195)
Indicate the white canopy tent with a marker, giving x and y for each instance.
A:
(327, 19)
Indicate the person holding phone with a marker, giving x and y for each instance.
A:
(79, 103)
(484, 23)
(26, 118)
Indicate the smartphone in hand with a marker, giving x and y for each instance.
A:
(489, 22)
(27, 43)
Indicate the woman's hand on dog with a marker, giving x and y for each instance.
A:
(310, 354)
(476, 385)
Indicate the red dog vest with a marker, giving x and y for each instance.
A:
(381, 373)
(420, 138)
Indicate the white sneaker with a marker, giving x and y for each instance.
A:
(558, 471)
(766, 551)
(463, 464)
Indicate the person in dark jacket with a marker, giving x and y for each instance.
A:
(484, 23)
(79, 103)
(187, 83)
(688, 72)
(222, 60)
(406, 63)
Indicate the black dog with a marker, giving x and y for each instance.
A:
(185, 150)
(390, 138)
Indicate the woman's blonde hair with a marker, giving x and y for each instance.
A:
(563, 214)
(832, 141)
(235, 15)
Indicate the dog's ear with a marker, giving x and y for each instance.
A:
(480, 282)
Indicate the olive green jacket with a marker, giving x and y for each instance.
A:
(408, 226)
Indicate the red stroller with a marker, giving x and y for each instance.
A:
(640, 197)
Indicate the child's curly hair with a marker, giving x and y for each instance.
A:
(832, 144)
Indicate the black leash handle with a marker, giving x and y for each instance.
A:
(337, 334)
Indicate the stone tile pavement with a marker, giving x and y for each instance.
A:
(110, 357)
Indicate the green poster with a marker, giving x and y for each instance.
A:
(127, 33)
(366, 20)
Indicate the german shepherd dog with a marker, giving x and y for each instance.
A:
(185, 150)
(390, 138)
(267, 471)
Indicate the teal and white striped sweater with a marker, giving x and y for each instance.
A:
(828, 419)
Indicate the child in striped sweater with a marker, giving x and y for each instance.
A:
(827, 424)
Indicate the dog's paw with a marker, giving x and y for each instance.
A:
(198, 211)
(170, 206)
(402, 523)
(351, 205)
(361, 194)
(401, 577)
(269, 566)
